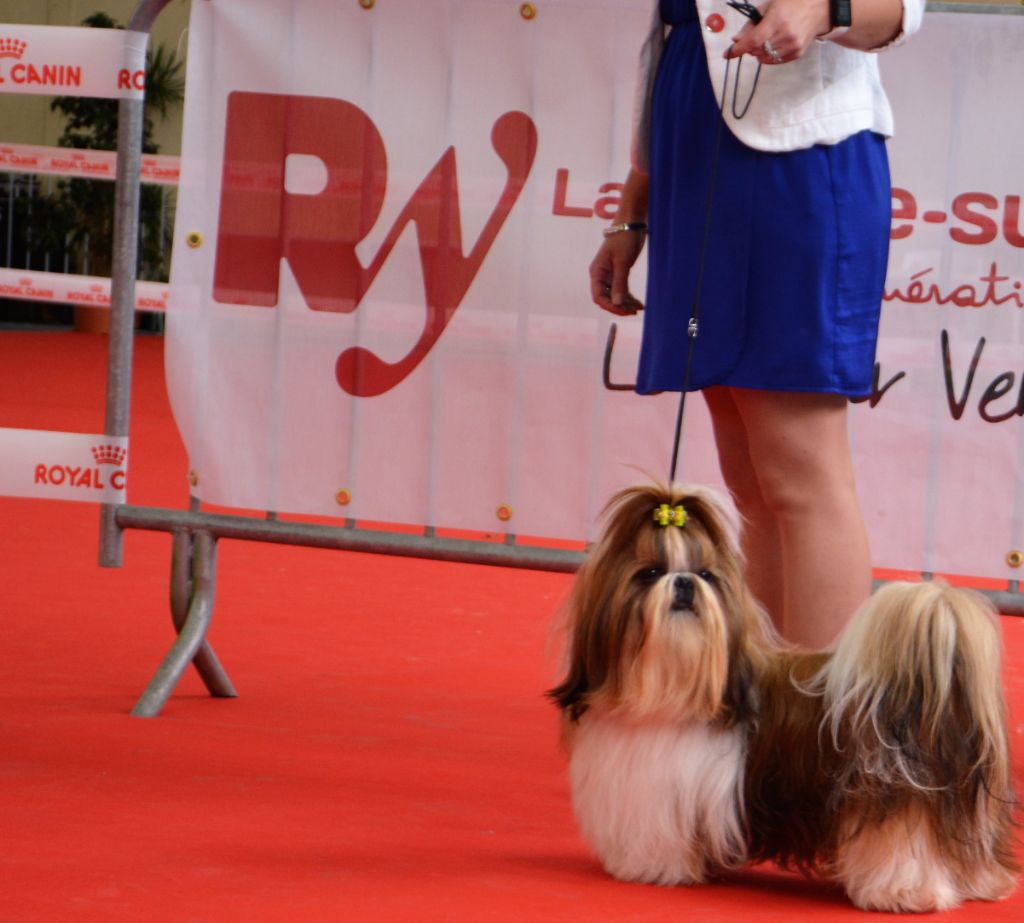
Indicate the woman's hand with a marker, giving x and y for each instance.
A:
(785, 32)
(609, 273)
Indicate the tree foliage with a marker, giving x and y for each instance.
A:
(85, 208)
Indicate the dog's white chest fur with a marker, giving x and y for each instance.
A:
(658, 802)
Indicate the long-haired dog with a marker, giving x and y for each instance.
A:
(698, 742)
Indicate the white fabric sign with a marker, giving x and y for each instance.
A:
(392, 305)
(63, 466)
(72, 61)
(940, 458)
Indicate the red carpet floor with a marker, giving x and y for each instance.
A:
(390, 757)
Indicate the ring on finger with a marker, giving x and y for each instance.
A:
(769, 49)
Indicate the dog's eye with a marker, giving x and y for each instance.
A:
(707, 577)
(650, 575)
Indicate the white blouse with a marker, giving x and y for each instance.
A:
(825, 96)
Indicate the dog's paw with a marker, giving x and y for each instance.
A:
(898, 866)
(925, 898)
(667, 875)
(989, 883)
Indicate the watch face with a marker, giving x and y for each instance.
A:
(839, 13)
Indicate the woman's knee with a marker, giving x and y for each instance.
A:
(801, 458)
(790, 490)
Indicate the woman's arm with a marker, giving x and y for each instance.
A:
(875, 23)
(609, 272)
(790, 26)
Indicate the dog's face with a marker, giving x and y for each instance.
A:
(660, 618)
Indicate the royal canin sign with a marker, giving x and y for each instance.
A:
(72, 61)
(63, 466)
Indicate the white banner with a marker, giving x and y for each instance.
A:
(63, 466)
(72, 61)
(65, 161)
(391, 311)
(941, 456)
(90, 291)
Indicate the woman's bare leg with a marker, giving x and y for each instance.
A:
(796, 446)
(760, 536)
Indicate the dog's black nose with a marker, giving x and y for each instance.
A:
(682, 593)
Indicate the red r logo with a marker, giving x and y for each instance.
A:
(260, 222)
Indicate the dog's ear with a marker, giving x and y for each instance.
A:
(595, 638)
(589, 654)
(569, 695)
(740, 702)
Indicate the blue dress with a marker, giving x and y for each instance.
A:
(797, 245)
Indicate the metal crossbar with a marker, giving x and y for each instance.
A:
(312, 535)
(193, 574)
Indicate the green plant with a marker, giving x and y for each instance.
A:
(86, 207)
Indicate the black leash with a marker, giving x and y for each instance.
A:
(693, 327)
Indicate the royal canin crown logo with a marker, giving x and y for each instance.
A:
(109, 455)
(108, 471)
(27, 73)
(12, 48)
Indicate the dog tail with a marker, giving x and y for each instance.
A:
(913, 693)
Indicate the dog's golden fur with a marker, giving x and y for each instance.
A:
(883, 764)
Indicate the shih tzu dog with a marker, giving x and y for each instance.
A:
(699, 742)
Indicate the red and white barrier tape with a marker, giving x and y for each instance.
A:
(63, 161)
(63, 466)
(91, 291)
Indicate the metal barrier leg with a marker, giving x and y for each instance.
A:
(193, 631)
(206, 663)
(127, 196)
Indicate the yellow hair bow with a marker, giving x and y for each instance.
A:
(666, 515)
